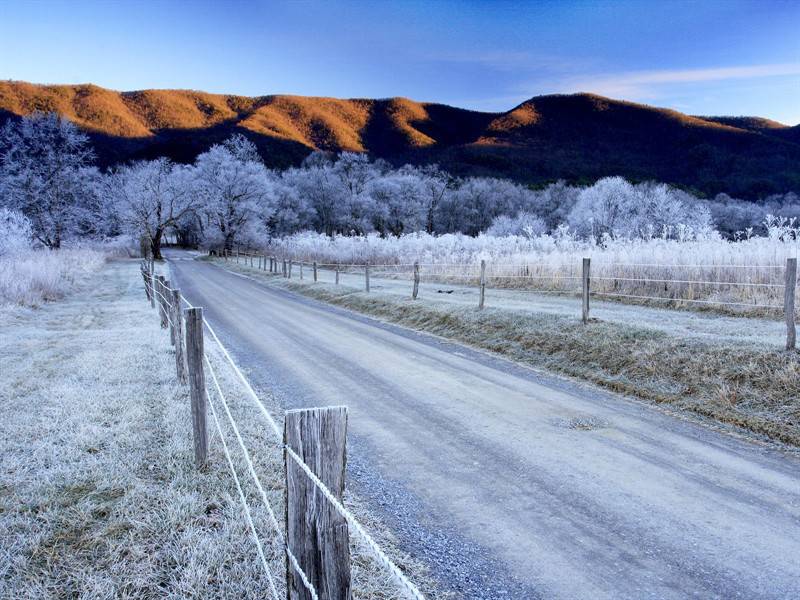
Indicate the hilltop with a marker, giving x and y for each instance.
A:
(578, 137)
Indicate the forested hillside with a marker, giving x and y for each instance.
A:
(578, 138)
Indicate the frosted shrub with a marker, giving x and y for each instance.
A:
(15, 232)
(34, 277)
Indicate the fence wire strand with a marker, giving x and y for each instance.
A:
(379, 554)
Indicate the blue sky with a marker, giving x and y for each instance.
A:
(730, 57)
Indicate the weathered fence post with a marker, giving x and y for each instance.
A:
(152, 279)
(316, 533)
(162, 308)
(146, 278)
(315, 271)
(415, 290)
(337, 273)
(301, 269)
(788, 302)
(366, 276)
(177, 316)
(585, 289)
(482, 297)
(285, 270)
(169, 308)
(197, 383)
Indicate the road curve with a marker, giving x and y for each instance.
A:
(515, 484)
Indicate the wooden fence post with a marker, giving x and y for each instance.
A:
(316, 533)
(162, 308)
(146, 278)
(168, 308)
(337, 273)
(177, 316)
(366, 277)
(415, 290)
(585, 289)
(482, 297)
(788, 302)
(285, 270)
(197, 383)
(152, 289)
(301, 269)
(315, 271)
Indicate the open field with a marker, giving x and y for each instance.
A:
(745, 277)
(34, 277)
(728, 368)
(99, 497)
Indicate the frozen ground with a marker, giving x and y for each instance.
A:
(511, 483)
(99, 497)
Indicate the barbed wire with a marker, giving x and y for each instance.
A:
(720, 303)
(248, 516)
(371, 543)
(732, 283)
(248, 461)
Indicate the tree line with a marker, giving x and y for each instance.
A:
(228, 196)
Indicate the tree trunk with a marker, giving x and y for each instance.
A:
(155, 244)
(229, 239)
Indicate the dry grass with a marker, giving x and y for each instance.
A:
(746, 386)
(35, 277)
(745, 277)
(99, 497)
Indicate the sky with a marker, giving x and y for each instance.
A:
(711, 57)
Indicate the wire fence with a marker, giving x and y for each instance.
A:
(163, 296)
(734, 289)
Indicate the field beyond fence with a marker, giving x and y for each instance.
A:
(752, 290)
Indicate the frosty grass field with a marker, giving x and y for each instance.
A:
(99, 495)
(742, 276)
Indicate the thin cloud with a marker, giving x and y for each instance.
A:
(649, 84)
(514, 61)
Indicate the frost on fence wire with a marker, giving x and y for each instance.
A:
(376, 550)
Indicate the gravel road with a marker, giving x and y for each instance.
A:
(511, 483)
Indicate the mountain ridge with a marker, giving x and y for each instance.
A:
(578, 137)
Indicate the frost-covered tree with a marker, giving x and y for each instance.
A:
(399, 203)
(615, 208)
(292, 211)
(42, 157)
(152, 197)
(554, 203)
(601, 209)
(523, 224)
(474, 204)
(321, 188)
(437, 184)
(234, 187)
